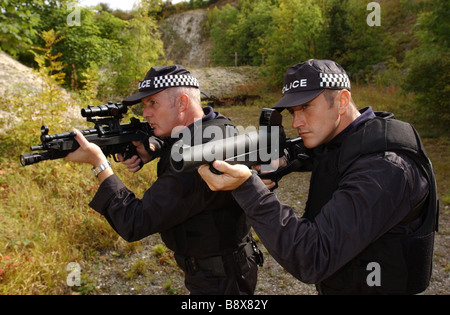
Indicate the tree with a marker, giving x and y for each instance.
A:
(18, 24)
(297, 24)
(365, 46)
(97, 43)
(223, 34)
(49, 66)
(254, 25)
(428, 65)
(241, 30)
(140, 49)
(337, 30)
(119, 49)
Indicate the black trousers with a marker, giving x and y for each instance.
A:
(203, 282)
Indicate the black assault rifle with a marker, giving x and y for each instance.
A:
(112, 137)
(254, 148)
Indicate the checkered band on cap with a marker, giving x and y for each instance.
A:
(332, 80)
(175, 81)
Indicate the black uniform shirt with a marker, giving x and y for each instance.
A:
(174, 199)
(374, 195)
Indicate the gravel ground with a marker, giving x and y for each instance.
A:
(144, 270)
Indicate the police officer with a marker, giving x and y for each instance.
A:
(371, 213)
(208, 231)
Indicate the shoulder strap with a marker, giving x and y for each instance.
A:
(219, 121)
(378, 135)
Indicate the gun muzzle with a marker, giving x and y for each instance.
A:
(33, 158)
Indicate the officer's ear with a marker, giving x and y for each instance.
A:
(183, 102)
(343, 101)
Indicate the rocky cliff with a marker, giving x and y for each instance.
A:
(186, 40)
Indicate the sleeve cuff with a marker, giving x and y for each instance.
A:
(106, 192)
(248, 194)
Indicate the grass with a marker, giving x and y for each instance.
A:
(45, 220)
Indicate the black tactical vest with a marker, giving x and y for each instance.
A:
(225, 223)
(405, 260)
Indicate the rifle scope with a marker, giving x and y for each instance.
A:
(108, 110)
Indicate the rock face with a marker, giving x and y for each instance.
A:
(186, 39)
(186, 42)
(17, 79)
(226, 82)
(14, 76)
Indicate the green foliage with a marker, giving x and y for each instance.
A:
(90, 82)
(368, 45)
(121, 49)
(296, 27)
(409, 49)
(283, 33)
(198, 4)
(45, 220)
(428, 65)
(240, 30)
(49, 67)
(95, 43)
(252, 28)
(141, 48)
(223, 34)
(18, 24)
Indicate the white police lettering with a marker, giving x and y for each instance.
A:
(145, 84)
(294, 85)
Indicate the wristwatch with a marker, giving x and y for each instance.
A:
(97, 170)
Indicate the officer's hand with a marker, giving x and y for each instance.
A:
(233, 177)
(154, 150)
(134, 164)
(270, 184)
(89, 153)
